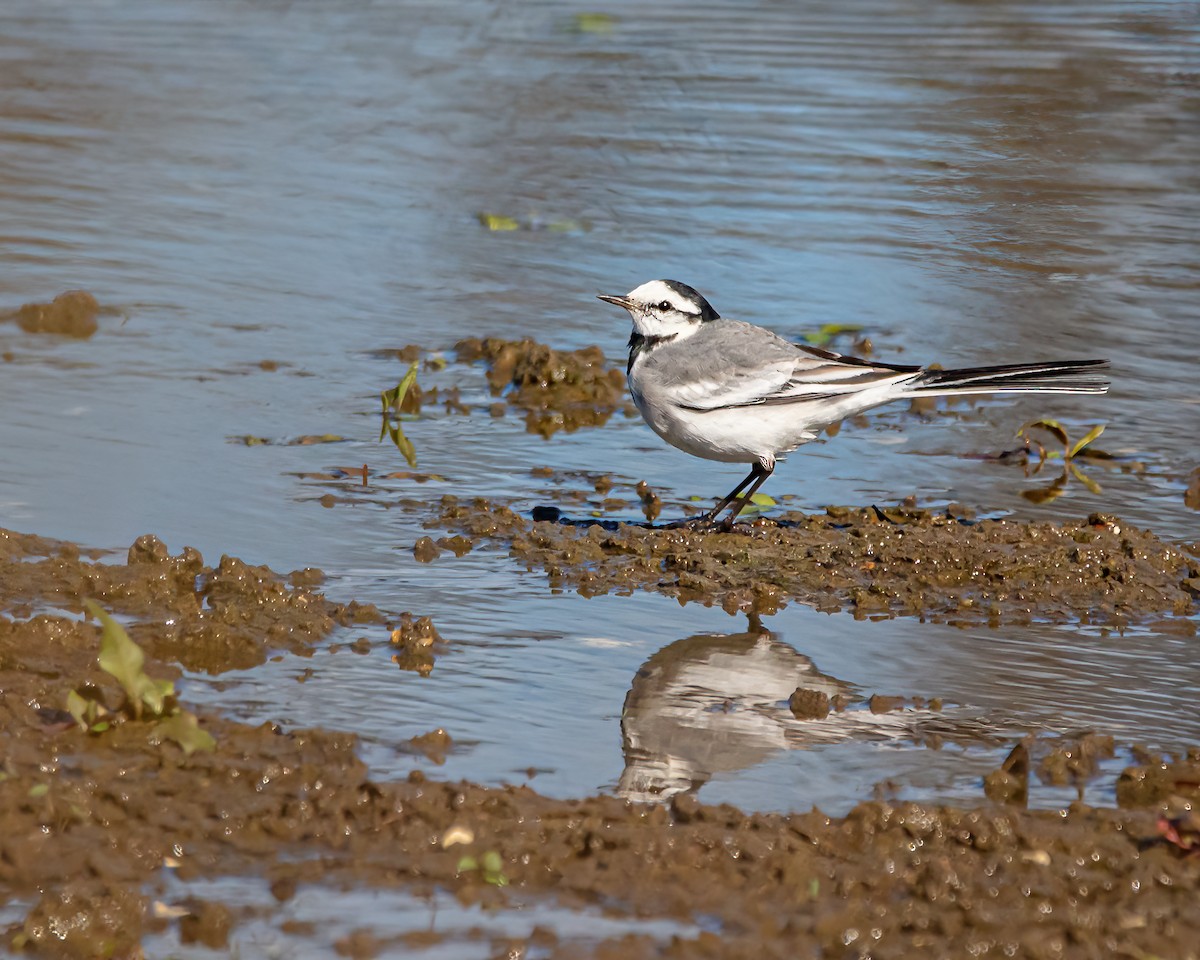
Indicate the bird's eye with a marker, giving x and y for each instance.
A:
(665, 305)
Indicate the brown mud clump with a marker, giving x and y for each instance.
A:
(899, 562)
(417, 641)
(103, 832)
(70, 314)
(209, 619)
(557, 389)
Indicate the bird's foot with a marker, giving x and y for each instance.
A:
(702, 523)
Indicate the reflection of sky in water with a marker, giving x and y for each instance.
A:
(300, 183)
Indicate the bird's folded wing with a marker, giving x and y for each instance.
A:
(792, 381)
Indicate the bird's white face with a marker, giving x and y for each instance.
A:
(665, 309)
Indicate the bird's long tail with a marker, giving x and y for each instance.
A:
(1064, 376)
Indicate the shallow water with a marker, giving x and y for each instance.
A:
(301, 183)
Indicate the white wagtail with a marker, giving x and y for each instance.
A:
(730, 391)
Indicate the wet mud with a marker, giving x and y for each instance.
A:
(555, 389)
(99, 827)
(941, 566)
(70, 314)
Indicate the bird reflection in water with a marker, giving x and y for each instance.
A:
(716, 703)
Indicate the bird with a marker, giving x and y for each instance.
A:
(730, 391)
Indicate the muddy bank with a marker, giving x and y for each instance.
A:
(99, 827)
(891, 562)
(205, 618)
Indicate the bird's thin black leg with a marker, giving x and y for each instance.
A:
(758, 473)
(744, 500)
(716, 511)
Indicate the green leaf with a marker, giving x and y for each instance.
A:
(601, 23)
(119, 656)
(762, 500)
(80, 708)
(492, 862)
(123, 659)
(184, 729)
(395, 396)
(493, 869)
(1083, 478)
(403, 444)
(1050, 426)
(39, 791)
(826, 332)
(391, 399)
(1087, 438)
(466, 863)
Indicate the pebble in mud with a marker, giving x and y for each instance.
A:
(914, 562)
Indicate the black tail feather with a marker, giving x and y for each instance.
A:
(1064, 376)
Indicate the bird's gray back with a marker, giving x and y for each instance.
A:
(721, 350)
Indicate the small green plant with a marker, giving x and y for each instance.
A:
(145, 697)
(393, 399)
(1081, 449)
(489, 867)
(828, 332)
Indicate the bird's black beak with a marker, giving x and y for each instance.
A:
(619, 301)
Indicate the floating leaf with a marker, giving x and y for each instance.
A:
(40, 790)
(763, 500)
(497, 223)
(601, 23)
(247, 440)
(184, 729)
